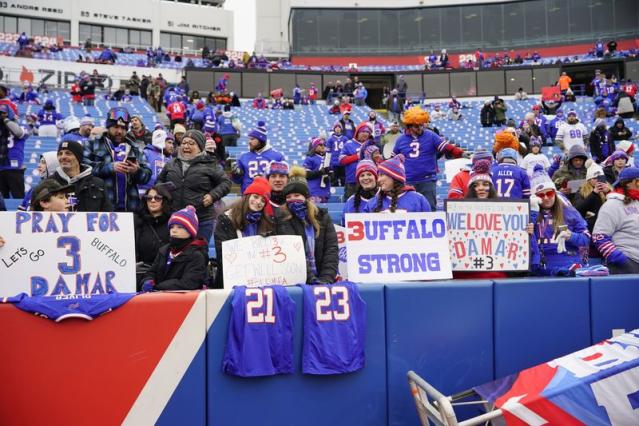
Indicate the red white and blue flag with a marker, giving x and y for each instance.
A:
(598, 385)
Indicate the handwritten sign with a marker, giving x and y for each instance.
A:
(52, 254)
(341, 246)
(397, 247)
(488, 235)
(257, 261)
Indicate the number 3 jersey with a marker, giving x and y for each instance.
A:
(260, 333)
(334, 329)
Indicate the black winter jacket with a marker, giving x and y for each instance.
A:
(188, 271)
(151, 233)
(204, 176)
(326, 250)
(592, 203)
(618, 134)
(487, 116)
(89, 191)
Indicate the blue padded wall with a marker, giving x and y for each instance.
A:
(614, 305)
(351, 399)
(443, 331)
(538, 320)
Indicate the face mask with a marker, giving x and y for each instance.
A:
(298, 208)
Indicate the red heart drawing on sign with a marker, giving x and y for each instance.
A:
(297, 246)
(505, 235)
(519, 208)
(466, 234)
(230, 257)
(466, 265)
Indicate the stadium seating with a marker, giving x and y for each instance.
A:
(72, 54)
(291, 131)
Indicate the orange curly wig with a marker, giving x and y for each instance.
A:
(505, 140)
(416, 115)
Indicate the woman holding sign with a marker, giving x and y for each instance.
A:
(366, 175)
(251, 215)
(560, 241)
(300, 216)
(394, 195)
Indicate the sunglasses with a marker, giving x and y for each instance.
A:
(154, 197)
(548, 194)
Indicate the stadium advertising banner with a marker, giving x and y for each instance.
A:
(51, 254)
(397, 247)
(64, 73)
(258, 261)
(488, 235)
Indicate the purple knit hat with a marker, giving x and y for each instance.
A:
(277, 168)
(394, 168)
(618, 154)
(259, 132)
(187, 219)
(365, 166)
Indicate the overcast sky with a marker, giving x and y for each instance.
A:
(243, 23)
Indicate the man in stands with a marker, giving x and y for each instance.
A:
(117, 160)
(256, 162)
(402, 88)
(28, 95)
(420, 148)
(176, 111)
(278, 178)
(86, 126)
(139, 133)
(259, 102)
(571, 133)
(4, 99)
(134, 84)
(89, 191)
(48, 119)
(12, 139)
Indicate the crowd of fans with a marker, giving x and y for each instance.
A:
(584, 202)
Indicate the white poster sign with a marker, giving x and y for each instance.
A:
(66, 253)
(488, 235)
(257, 261)
(452, 167)
(397, 247)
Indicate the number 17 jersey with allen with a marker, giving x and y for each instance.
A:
(260, 334)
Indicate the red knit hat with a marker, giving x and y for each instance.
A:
(261, 187)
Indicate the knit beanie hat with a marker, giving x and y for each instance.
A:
(481, 154)
(297, 183)
(505, 140)
(197, 136)
(87, 120)
(261, 187)
(316, 142)
(338, 124)
(594, 171)
(178, 128)
(277, 168)
(481, 171)
(187, 219)
(72, 145)
(617, 155)
(540, 181)
(628, 173)
(507, 153)
(394, 168)
(259, 132)
(364, 126)
(365, 166)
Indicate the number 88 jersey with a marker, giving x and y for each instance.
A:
(260, 333)
(334, 329)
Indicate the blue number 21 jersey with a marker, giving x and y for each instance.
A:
(334, 329)
(260, 334)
